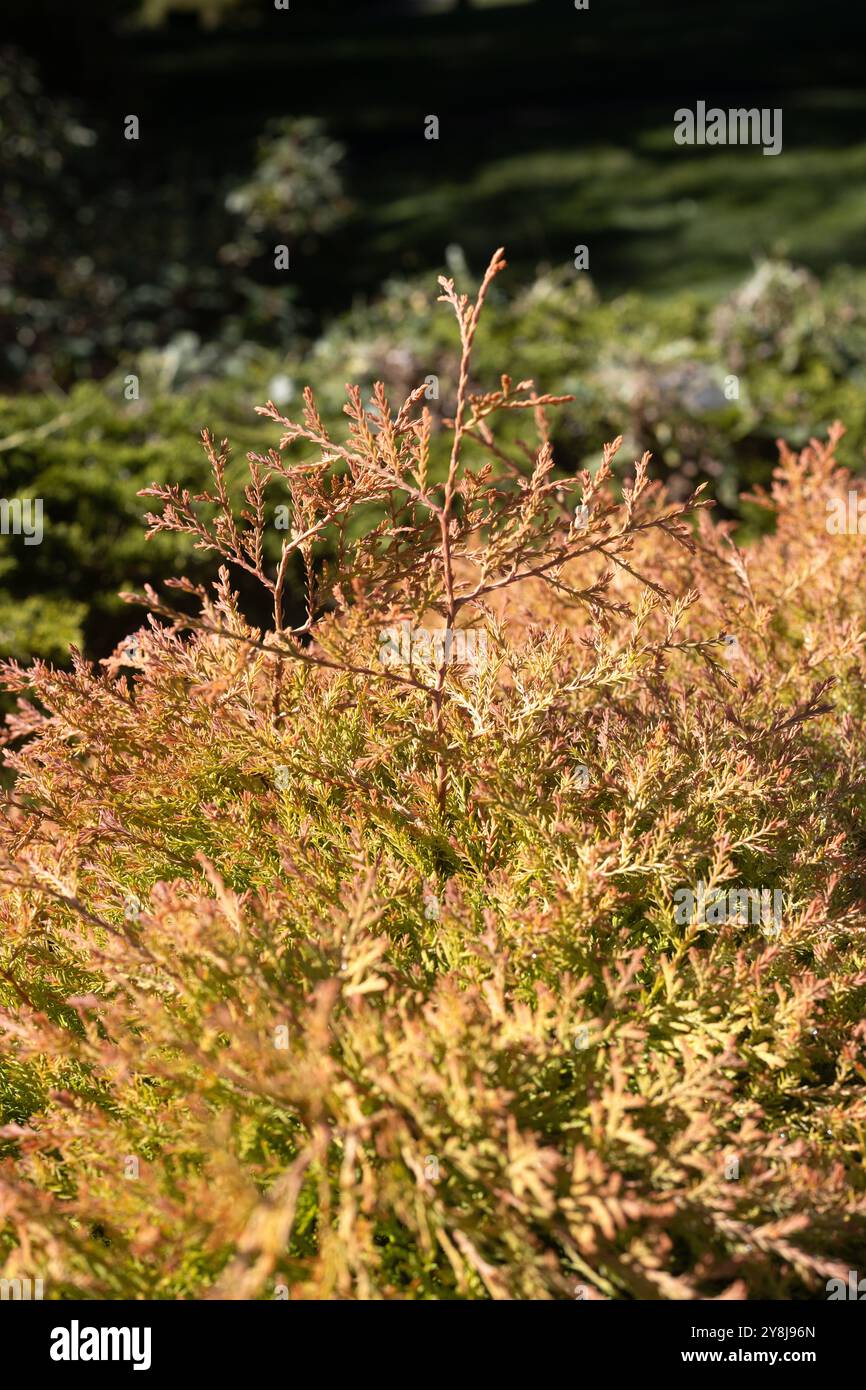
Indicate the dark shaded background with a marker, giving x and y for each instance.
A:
(536, 81)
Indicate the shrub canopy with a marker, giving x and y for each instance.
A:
(365, 979)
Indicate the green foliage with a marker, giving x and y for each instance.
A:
(373, 967)
(86, 456)
(295, 191)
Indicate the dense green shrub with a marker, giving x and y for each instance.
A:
(363, 978)
(86, 456)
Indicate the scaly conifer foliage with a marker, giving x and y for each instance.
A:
(329, 976)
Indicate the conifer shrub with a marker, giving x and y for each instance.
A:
(652, 370)
(346, 960)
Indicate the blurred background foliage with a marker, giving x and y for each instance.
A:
(155, 258)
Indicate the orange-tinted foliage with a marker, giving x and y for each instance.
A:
(333, 967)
